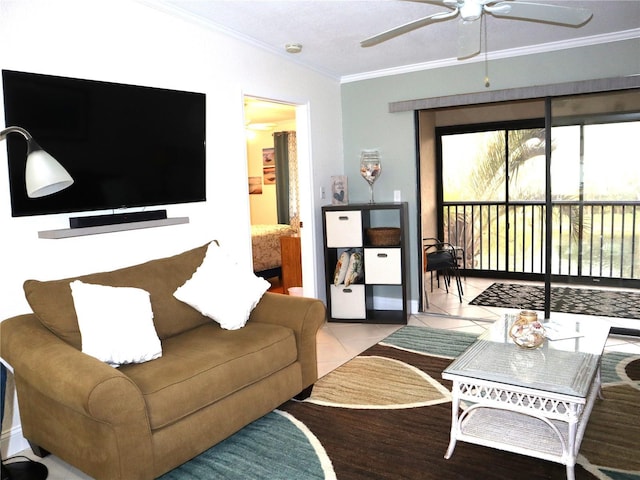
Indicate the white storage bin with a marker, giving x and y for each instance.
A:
(348, 302)
(344, 228)
(382, 266)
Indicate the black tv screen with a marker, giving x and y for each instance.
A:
(124, 145)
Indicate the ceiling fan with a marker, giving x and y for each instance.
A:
(470, 12)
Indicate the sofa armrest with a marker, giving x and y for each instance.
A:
(66, 375)
(73, 405)
(304, 316)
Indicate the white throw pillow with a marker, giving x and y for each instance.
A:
(116, 323)
(222, 290)
(354, 270)
(341, 268)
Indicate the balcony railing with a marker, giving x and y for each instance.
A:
(595, 240)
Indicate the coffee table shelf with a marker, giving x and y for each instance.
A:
(515, 432)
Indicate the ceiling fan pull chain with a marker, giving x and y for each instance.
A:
(487, 84)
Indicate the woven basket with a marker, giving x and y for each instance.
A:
(383, 236)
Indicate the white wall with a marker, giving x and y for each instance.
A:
(263, 206)
(128, 42)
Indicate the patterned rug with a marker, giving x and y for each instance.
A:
(585, 301)
(386, 415)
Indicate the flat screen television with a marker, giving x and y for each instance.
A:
(124, 145)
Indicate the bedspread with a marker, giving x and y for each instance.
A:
(265, 241)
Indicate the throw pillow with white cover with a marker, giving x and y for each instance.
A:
(116, 323)
(341, 268)
(354, 270)
(222, 290)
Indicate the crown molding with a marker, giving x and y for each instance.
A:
(500, 54)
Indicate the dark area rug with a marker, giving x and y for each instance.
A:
(386, 415)
(584, 301)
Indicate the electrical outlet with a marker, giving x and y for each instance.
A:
(323, 194)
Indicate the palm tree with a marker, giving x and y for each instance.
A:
(489, 176)
(489, 180)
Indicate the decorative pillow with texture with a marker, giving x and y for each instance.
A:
(222, 290)
(116, 323)
(341, 268)
(354, 270)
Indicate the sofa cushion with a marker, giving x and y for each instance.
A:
(208, 363)
(116, 323)
(222, 290)
(51, 300)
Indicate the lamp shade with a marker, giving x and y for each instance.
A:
(44, 175)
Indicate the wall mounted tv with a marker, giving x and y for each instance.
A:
(124, 145)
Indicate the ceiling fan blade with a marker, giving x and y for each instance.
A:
(407, 27)
(574, 16)
(468, 38)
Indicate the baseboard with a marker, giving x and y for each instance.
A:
(413, 306)
(12, 442)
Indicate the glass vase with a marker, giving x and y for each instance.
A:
(527, 331)
(370, 169)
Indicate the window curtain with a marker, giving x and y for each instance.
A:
(287, 196)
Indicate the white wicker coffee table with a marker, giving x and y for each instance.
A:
(531, 402)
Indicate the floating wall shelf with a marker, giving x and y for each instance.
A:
(119, 227)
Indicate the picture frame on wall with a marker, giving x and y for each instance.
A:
(269, 175)
(339, 190)
(269, 166)
(269, 157)
(255, 185)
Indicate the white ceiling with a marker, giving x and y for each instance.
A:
(330, 31)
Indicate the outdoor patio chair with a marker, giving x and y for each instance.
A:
(442, 258)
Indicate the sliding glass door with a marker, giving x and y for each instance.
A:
(492, 200)
(595, 185)
(595, 200)
(492, 196)
(545, 190)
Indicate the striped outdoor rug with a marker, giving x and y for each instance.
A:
(386, 415)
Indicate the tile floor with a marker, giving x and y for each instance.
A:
(339, 342)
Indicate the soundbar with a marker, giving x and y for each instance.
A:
(113, 219)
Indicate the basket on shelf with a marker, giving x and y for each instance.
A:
(383, 236)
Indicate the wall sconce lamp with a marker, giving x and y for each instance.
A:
(43, 174)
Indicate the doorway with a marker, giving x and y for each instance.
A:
(274, 192)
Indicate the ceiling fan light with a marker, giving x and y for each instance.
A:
(471, 11)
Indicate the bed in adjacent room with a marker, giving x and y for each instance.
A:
(265, 242)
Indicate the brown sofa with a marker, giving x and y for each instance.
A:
(141, 420)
